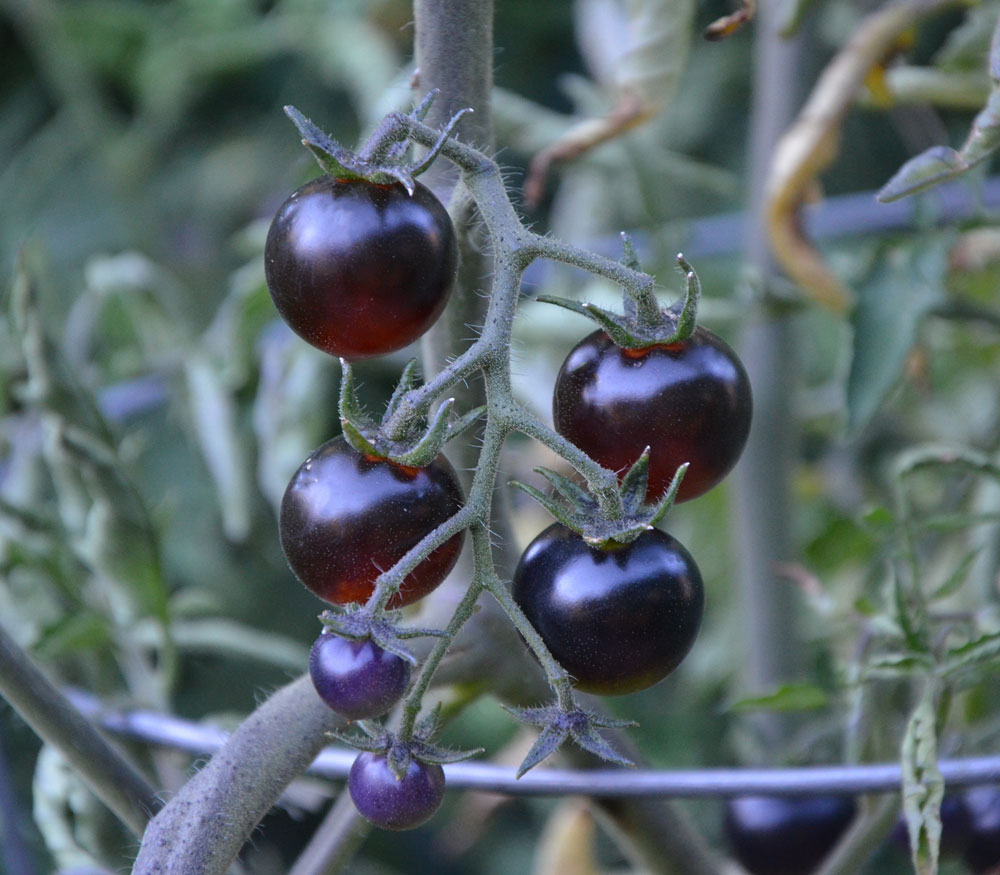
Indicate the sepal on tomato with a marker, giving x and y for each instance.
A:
(558, 725)
(382, 160)
(643, 323)
(416, 441)
(357, 624)
(581, 512)
(398, 751)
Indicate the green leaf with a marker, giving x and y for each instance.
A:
(897, 666)
(904, 284)
(923, 786)
(931, 167)
(788, 697)
(979, 651)
(215, 418)
(956, 580)
(76, 632)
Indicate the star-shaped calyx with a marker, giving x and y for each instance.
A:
(384, 159)
(411, 436)
(400, 751)
(581, 512)
(558, 725)
(643, 323)
(356, 623)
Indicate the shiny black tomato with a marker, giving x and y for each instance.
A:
(345, 518)
(778, 835)
(982, 852)
(358, 269)
(617, 620)
(688, 402)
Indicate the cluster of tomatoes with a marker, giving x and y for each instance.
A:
(360, 269)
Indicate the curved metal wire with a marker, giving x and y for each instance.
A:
(199, 739)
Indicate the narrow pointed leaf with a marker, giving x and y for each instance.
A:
(419, 112)
(464, 422)
(532, 716)
(980, 651)
(956, 580)
(348, 406)
(407, 381)
(553, 507)
(399, 758)
(923, 786)
(430, 753)
(429, 446)
(567, 488)
(630, 257)
(565, 303)
(687, 317)
(664, 504)
(354, 436)
(357, 741)
(390, 644)
(634, 484)
(548, 742)
(428, 724)
(439, 145)
(330, 155)
(591, 742)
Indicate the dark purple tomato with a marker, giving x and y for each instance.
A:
(617, 620)
(345, 518)
(358, 269)
(778, 835)
(357, 679)
(982, 853)
(688, 402)
(391, 803)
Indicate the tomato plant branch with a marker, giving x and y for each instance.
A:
(206, 824)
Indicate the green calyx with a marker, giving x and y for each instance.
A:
(400, 751)
(384, 160)
(560, 724)
(580, 511)
(358, 624)
(406, 435)
(643, 323)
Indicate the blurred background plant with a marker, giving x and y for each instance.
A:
(153, 407)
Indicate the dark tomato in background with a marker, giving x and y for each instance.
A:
(982, 852)
(394, 804)
(778, 835)
(345, 518)
(688, 402)
(358, 269)
(357, 679)
(618, 620)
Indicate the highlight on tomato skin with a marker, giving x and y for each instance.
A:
(357, 269)
(617, 620)
(688, 402)
(346, 518)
